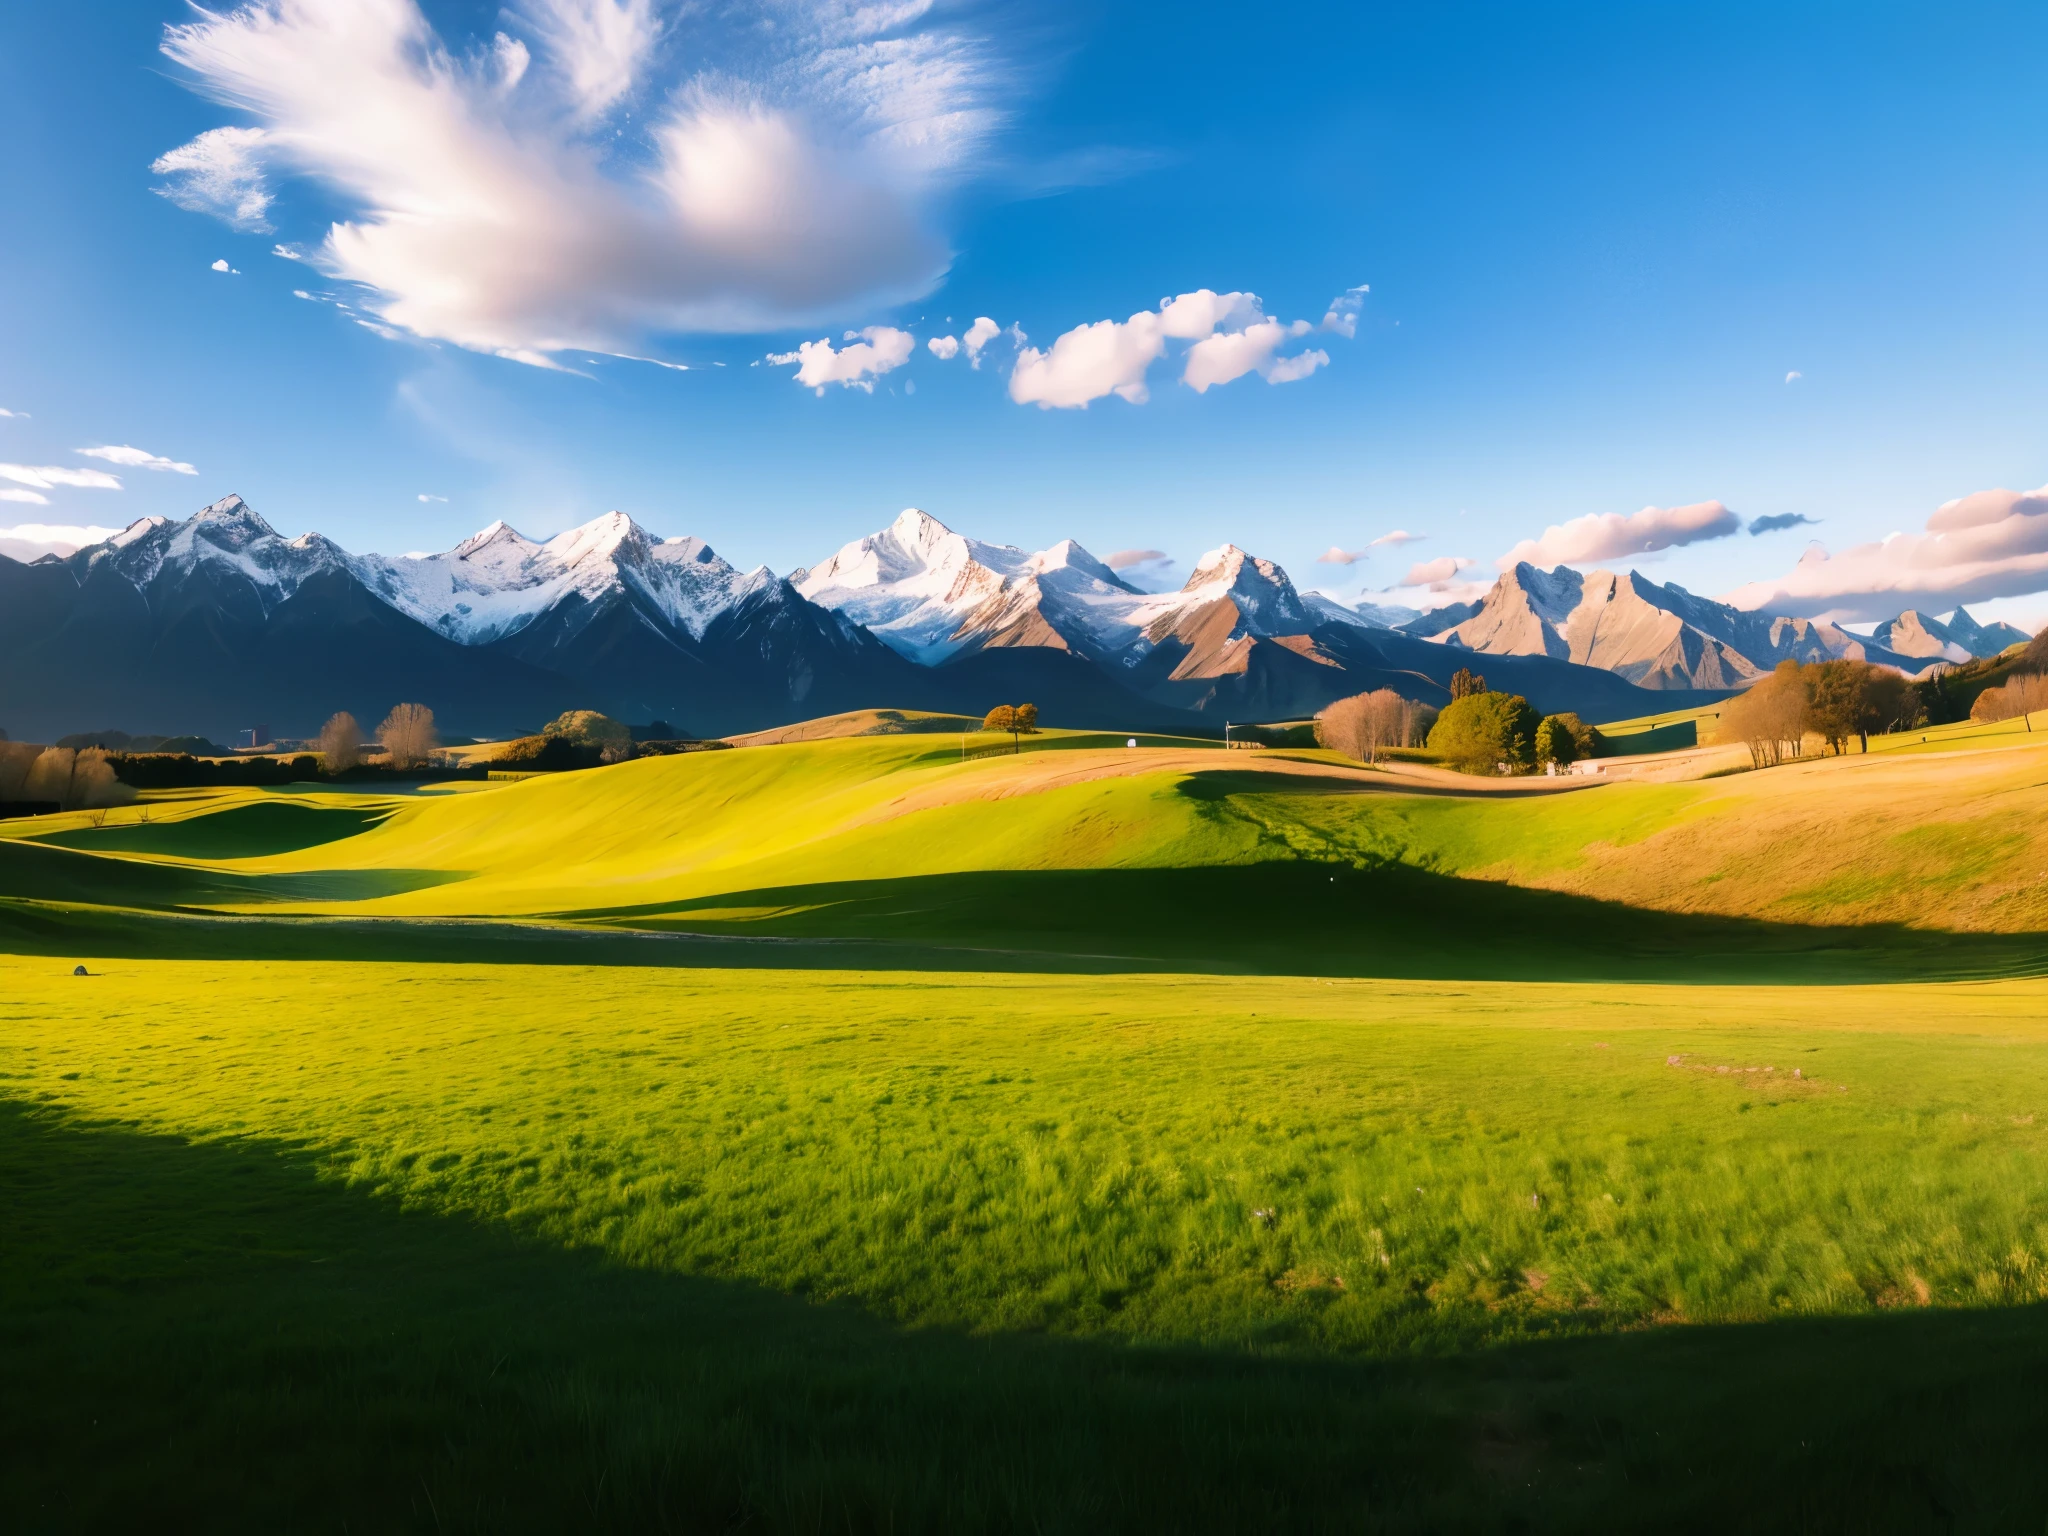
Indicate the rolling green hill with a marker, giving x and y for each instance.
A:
(857, 1132)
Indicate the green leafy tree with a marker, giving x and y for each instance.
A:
(1480, 731)
(1555, 743)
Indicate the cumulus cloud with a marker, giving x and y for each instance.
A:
(1779, 520)
(1611, 536)
(137, 458)
(944, 347)
(1435, 573)
(31, 541)
(1230, 333)
(496, 200)
(871, 352)
(46, 477)
(980, 334)
(1335, 556)
(1987, 545)
(222, 266)
(1342, 316)
(1397, 538)
(221, 173)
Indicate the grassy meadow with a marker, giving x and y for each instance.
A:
(851, 1134)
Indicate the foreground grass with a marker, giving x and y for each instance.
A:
(491, 1245)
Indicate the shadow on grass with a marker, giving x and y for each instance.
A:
(1319, 919)
(240, 832)
(210, 1335)
(38, 871)
(1281, 919)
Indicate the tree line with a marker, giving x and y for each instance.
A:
(1838, 701)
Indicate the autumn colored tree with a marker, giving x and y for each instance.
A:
(1465, 683)
(408, 736)
(1017, 719)
(341, 743)
(1364, 724)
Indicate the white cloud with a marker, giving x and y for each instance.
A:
(1611, 536)
(288, 252)
(136, 458)
(220, 173)
(1988, 545)
(31, 541)
(1342, 315)
(980, 334)
(879, 349)
(1434, 573)
(33, 498)
(45, 477)
(1794, 376)
(944, 347)
(1126, 559)
(1397, 538)
(222, 266)
(1335, 556)
(22, 415)
(499, 200)
(1231, 337)
(425, 497)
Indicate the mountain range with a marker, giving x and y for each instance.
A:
(216, 622)
(1664, 637)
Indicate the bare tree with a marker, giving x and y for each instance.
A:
(341, 743)
(1770, 718)
(16, 758)
(74, 780)
(408, 735)
(1362, 725)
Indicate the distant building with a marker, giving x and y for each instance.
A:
(253, 739)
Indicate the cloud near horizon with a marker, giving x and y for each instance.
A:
(790, 176)
(1611, 536)
(1990, 544)
(1230, 335)
(31, 541)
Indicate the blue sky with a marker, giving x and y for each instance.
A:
(1598, 240)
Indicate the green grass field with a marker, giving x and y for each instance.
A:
(845, 1135)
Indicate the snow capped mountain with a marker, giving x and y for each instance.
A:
(497, 582)
(931, 594)
(1361, 614)
(226, 545)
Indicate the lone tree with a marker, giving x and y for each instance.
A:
(1484, 732)
(612, 741)
(341, 743)
(408, 735)
(1017, 719)
(1465, 682)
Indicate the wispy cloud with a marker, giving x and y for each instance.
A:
(221, 173)
(1987, 545)
(46, 477)
(869, 353)
(1780, 520)
(137, 458)
(14, 415)
(1612, 536)
(33, 498)
(1397, 538)
(497, 201)
(425, 497)
(1230, 335)
(1126, 559)
(1794, 376)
